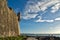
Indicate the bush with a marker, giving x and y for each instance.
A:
(13, 38)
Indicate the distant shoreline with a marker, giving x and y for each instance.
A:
(56, 35)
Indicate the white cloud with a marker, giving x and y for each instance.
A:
(39, 20)
(53, 11)
(32, 6)
(29, 16)
(46, 4)
(35, 6)
(55, 8)
(44, 8)
(39, 6)
(49, 20)
(57, 19)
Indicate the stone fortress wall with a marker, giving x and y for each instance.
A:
(8, 20)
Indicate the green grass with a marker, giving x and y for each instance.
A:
(12, 38)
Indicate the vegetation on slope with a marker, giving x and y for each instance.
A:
(12, 38)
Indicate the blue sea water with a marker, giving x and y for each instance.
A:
(56, 35)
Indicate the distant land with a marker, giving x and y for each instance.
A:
(29, 34)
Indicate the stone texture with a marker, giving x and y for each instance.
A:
(31, 38)
(8, 21)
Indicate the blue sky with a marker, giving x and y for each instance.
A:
(38, 16)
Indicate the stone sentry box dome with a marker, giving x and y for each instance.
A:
(8, 21)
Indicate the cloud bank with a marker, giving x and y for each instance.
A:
(34, 6)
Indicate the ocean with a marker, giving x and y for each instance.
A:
(56, 35)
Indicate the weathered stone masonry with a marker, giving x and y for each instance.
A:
(8, 21)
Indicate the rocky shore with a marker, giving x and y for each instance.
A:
(42, 38)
